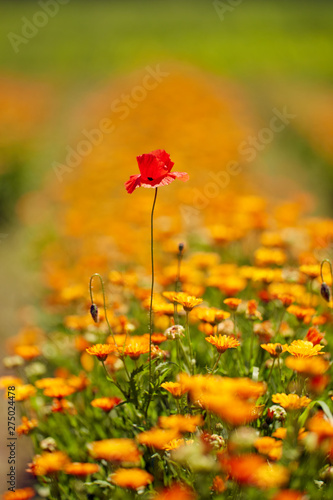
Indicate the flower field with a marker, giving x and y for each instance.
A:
(177, 343)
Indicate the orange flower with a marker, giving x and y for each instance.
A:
(131, 478)
(252, 310)
(291, 401)
(286, 299)
(22, 494)
(218, 485)
(314, 336)
(313, 366)
(158, 338)
(303, 314)
(62, 405)
(10, 380)
(290, 495)
(176, 492)
(175, 388)
(229, 408)
(232, 303)
(182, 423)
(275, 350)
(211, 315)
(157, 438)
(115, 450)
(48, 463)
(303, 349)
(187, 301)
(269, 446)
(28, 352)
(134, 350)
(81, 469)
(26, 426)
(223, 342)
(23, 392)
(105, 404)
(321, 426)
(43, 383)
(59, 391)
(174, 444)
(101, 351)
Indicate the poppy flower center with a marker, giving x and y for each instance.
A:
(150, 179)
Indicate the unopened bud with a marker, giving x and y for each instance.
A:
(325, 292)
(181, 247)
(278, 349)
(94, 312)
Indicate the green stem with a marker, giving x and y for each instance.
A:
(187, 328)
(271, 370)
(104, 303)
(217, 362)
(151, 324)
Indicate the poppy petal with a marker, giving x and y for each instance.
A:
(133, 182)
(183, 176)
(151, 167)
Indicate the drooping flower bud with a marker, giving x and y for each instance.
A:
(181, 247)
(94, 312)
(325, 291)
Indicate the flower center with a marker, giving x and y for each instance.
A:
(150, 179)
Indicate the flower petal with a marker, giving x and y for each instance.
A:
(133, 183)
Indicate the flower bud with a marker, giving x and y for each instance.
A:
(94, 313)
(325, 291)
(181, 247)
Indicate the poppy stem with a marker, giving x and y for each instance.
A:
(104, 302)
(151, 319)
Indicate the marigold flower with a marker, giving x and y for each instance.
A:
(286, 299)
(62, 405)
(269, 446)
(268, 256)
(21, 494)
(290, 495)
(10, 380)
(187, 301)
(28, 352)
(48, 463)
(252, 310)
(291, 401)
(233, 304)
(26, 426)
(275, 350)
(43, 383)
(304, 349)
(115, 450)
(155, 171)
(303, 314)
(59, 391)
(320, 426)
(232, 410)
(314, 335)
(23, 392)
(312, 367)
(182, 423)
(101, 351)
(134, 350)
(211, 315)
(223, 342)
(175, 388)
(131, 478)
(176, 492)
(158, 338)
(174, 444)
(312, 271)
(218, 485)
(264, 331)
(81, 469)
(105, 404)
(157, 438)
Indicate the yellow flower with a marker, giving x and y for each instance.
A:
(232, 303)
(304, 349)
(23, 392)
(187, 301)
(131, 478)
(311, 366)
(291, 401)
(269, 446)
(223, 342)
(312, 270)
(105, 404)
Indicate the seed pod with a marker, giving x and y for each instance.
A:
(94, 312)
(325, 292)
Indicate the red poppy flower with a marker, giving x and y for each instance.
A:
(155, 168)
